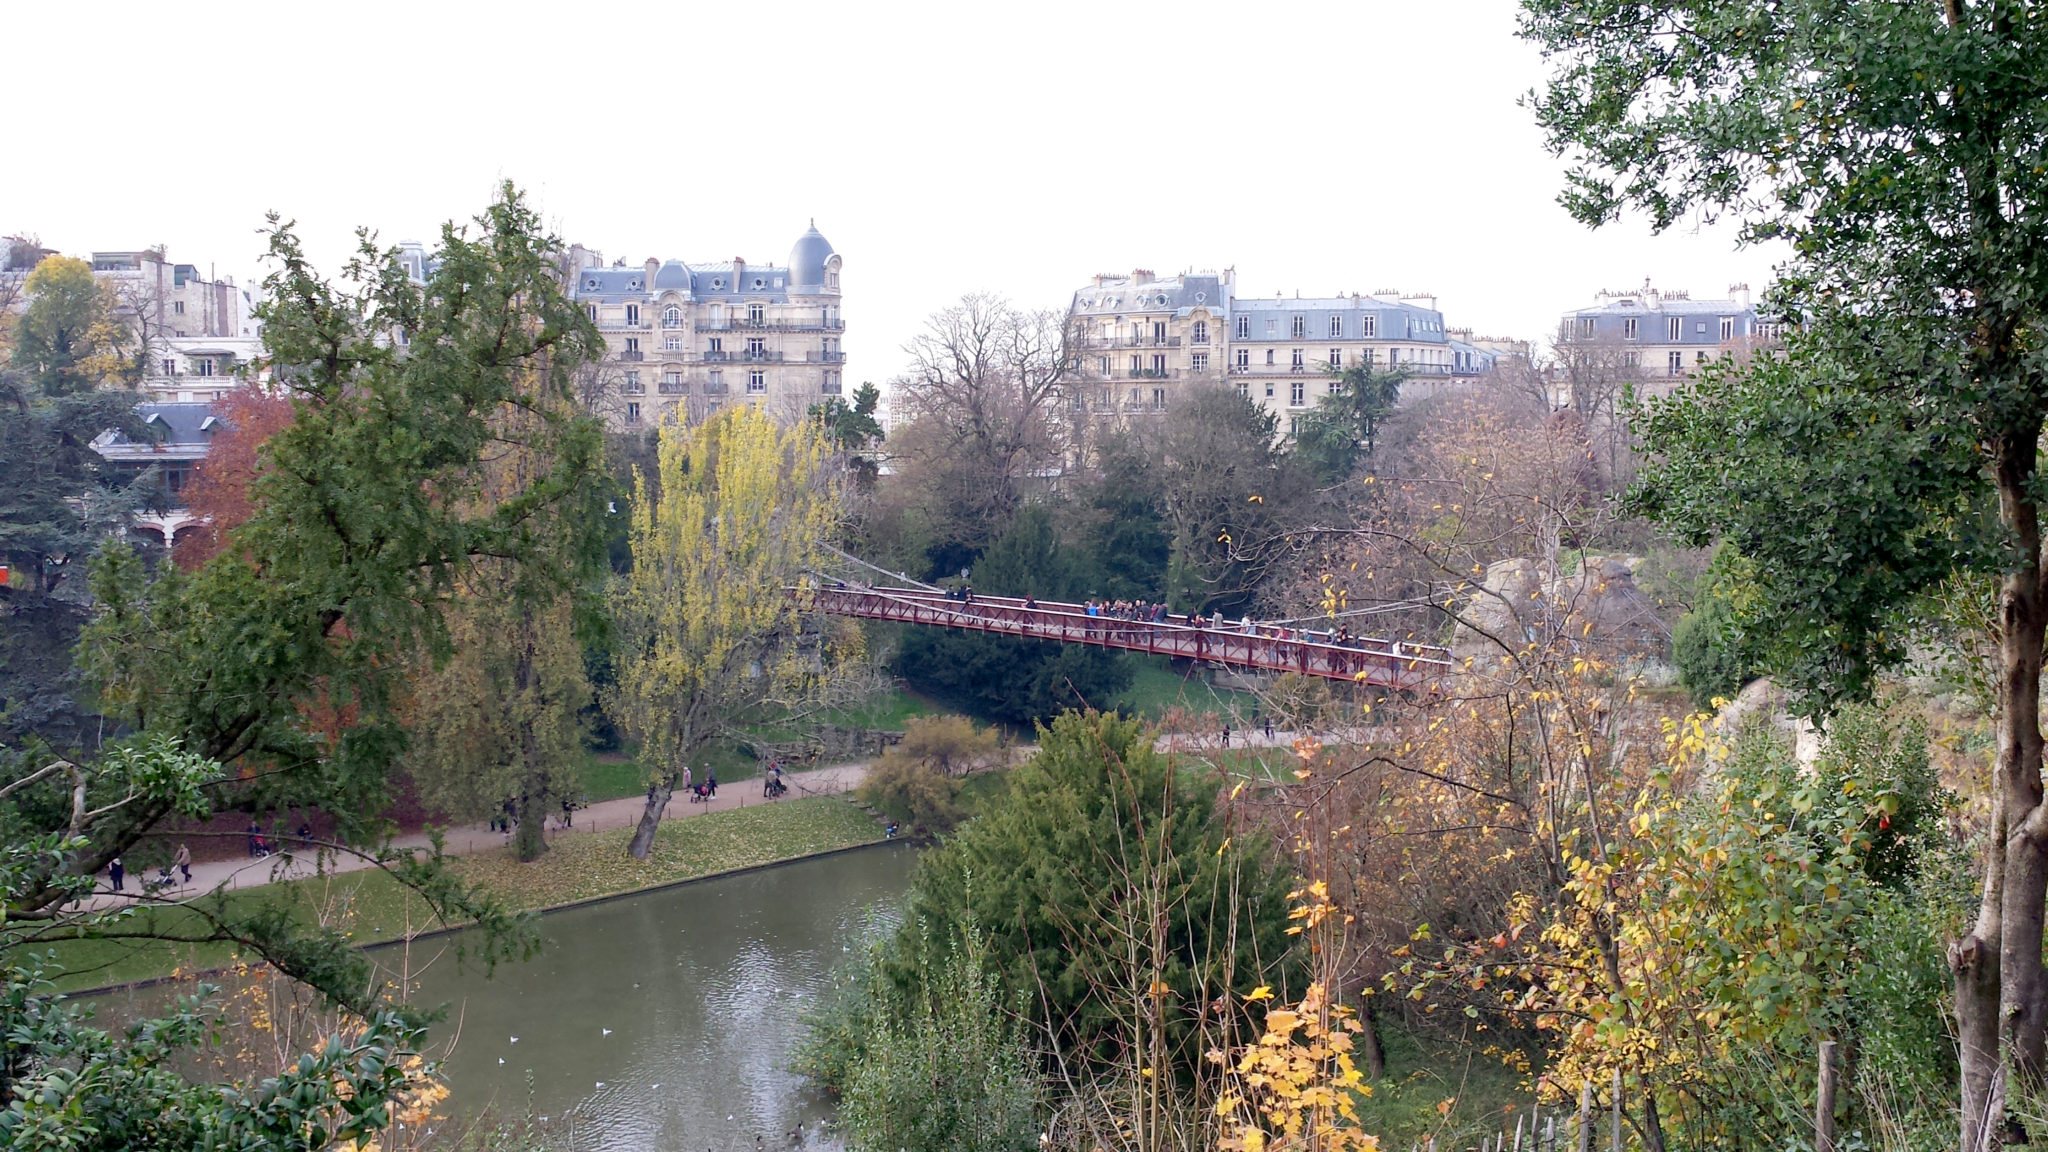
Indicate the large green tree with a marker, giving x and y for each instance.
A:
(1901, 150)
(267, 676)
(1114, 897)
(1345, 426)
(58, 392)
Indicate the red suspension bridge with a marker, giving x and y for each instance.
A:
(1363, 660)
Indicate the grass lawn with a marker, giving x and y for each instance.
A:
(371, 907)
(1423, 1074)
(888, 712)
(1156, 687)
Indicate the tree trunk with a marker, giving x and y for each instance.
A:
(650, 817)
(1997, 968)
(531, 817)
(1369, 1039)
(1653, 1124)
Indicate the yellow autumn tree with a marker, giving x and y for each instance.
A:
(712, 636)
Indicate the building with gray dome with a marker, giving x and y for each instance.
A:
(685, 337)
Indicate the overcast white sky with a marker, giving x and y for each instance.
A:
(943, 148)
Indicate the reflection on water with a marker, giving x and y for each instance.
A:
(665, 1021)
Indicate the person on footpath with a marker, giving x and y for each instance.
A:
(115, 872)
(711, 783)
(686, 779)
(183, 862)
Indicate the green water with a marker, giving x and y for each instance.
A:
(665, 1021)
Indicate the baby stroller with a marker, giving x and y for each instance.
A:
(700, 793)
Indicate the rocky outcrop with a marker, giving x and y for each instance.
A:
(1596, 603)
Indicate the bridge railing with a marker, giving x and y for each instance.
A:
(1369, 660)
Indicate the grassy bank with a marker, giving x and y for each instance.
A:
(370, 907)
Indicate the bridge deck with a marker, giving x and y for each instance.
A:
(1365, 660)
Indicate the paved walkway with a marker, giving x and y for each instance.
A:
(605, 815)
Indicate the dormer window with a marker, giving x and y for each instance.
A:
(759, 283)
(718, 282)
(209, 424)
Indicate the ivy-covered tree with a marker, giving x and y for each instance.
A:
(1901, 151)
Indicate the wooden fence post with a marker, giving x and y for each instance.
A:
(1617, 1110)
(1586, 1117)
(1824, 1105)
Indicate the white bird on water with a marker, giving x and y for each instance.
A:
(606, 1031)
(515, 1039)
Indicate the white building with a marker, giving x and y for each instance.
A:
(685, 338)
(1666, 333)
(1137, 340)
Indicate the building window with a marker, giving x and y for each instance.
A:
(757, 382)
(1337, 326)
(1393, 357)
(202, 366)
(1244, 358)
(1673, 329)
(1365, 358)
(633, 385)
(671, 383)
(1269, 391)
(632, 413)
(178, 307)
(1272, 326)
(1137, 365)
(1269, 357)
(170, 366)
(632, 344)
(591, 310)
(1335, 387)
(1337, 359)
(717, 346)
(716, 384)
(671, 317)
(1102, 366)
(1299, 361)
(831, 386)
(1159, 366)
(1628, 328)
(1244, 327)
(1159, 331)
(1297, 394)
(1368, 326)
(1699, 358)
(1159, 399)
(1200, 335)
(1674, 364)
(1198, 361)
(757, 346)
(1585, 327)
(1727, 329)
(632, 315)
(672, 343)
(1300, 327)
(756, 313)
(1294, 426)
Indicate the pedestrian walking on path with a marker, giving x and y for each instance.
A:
(183, 862)
(115, 872)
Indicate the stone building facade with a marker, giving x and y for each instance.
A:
(685, 338)
(1137, 340)
(1666, 334)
